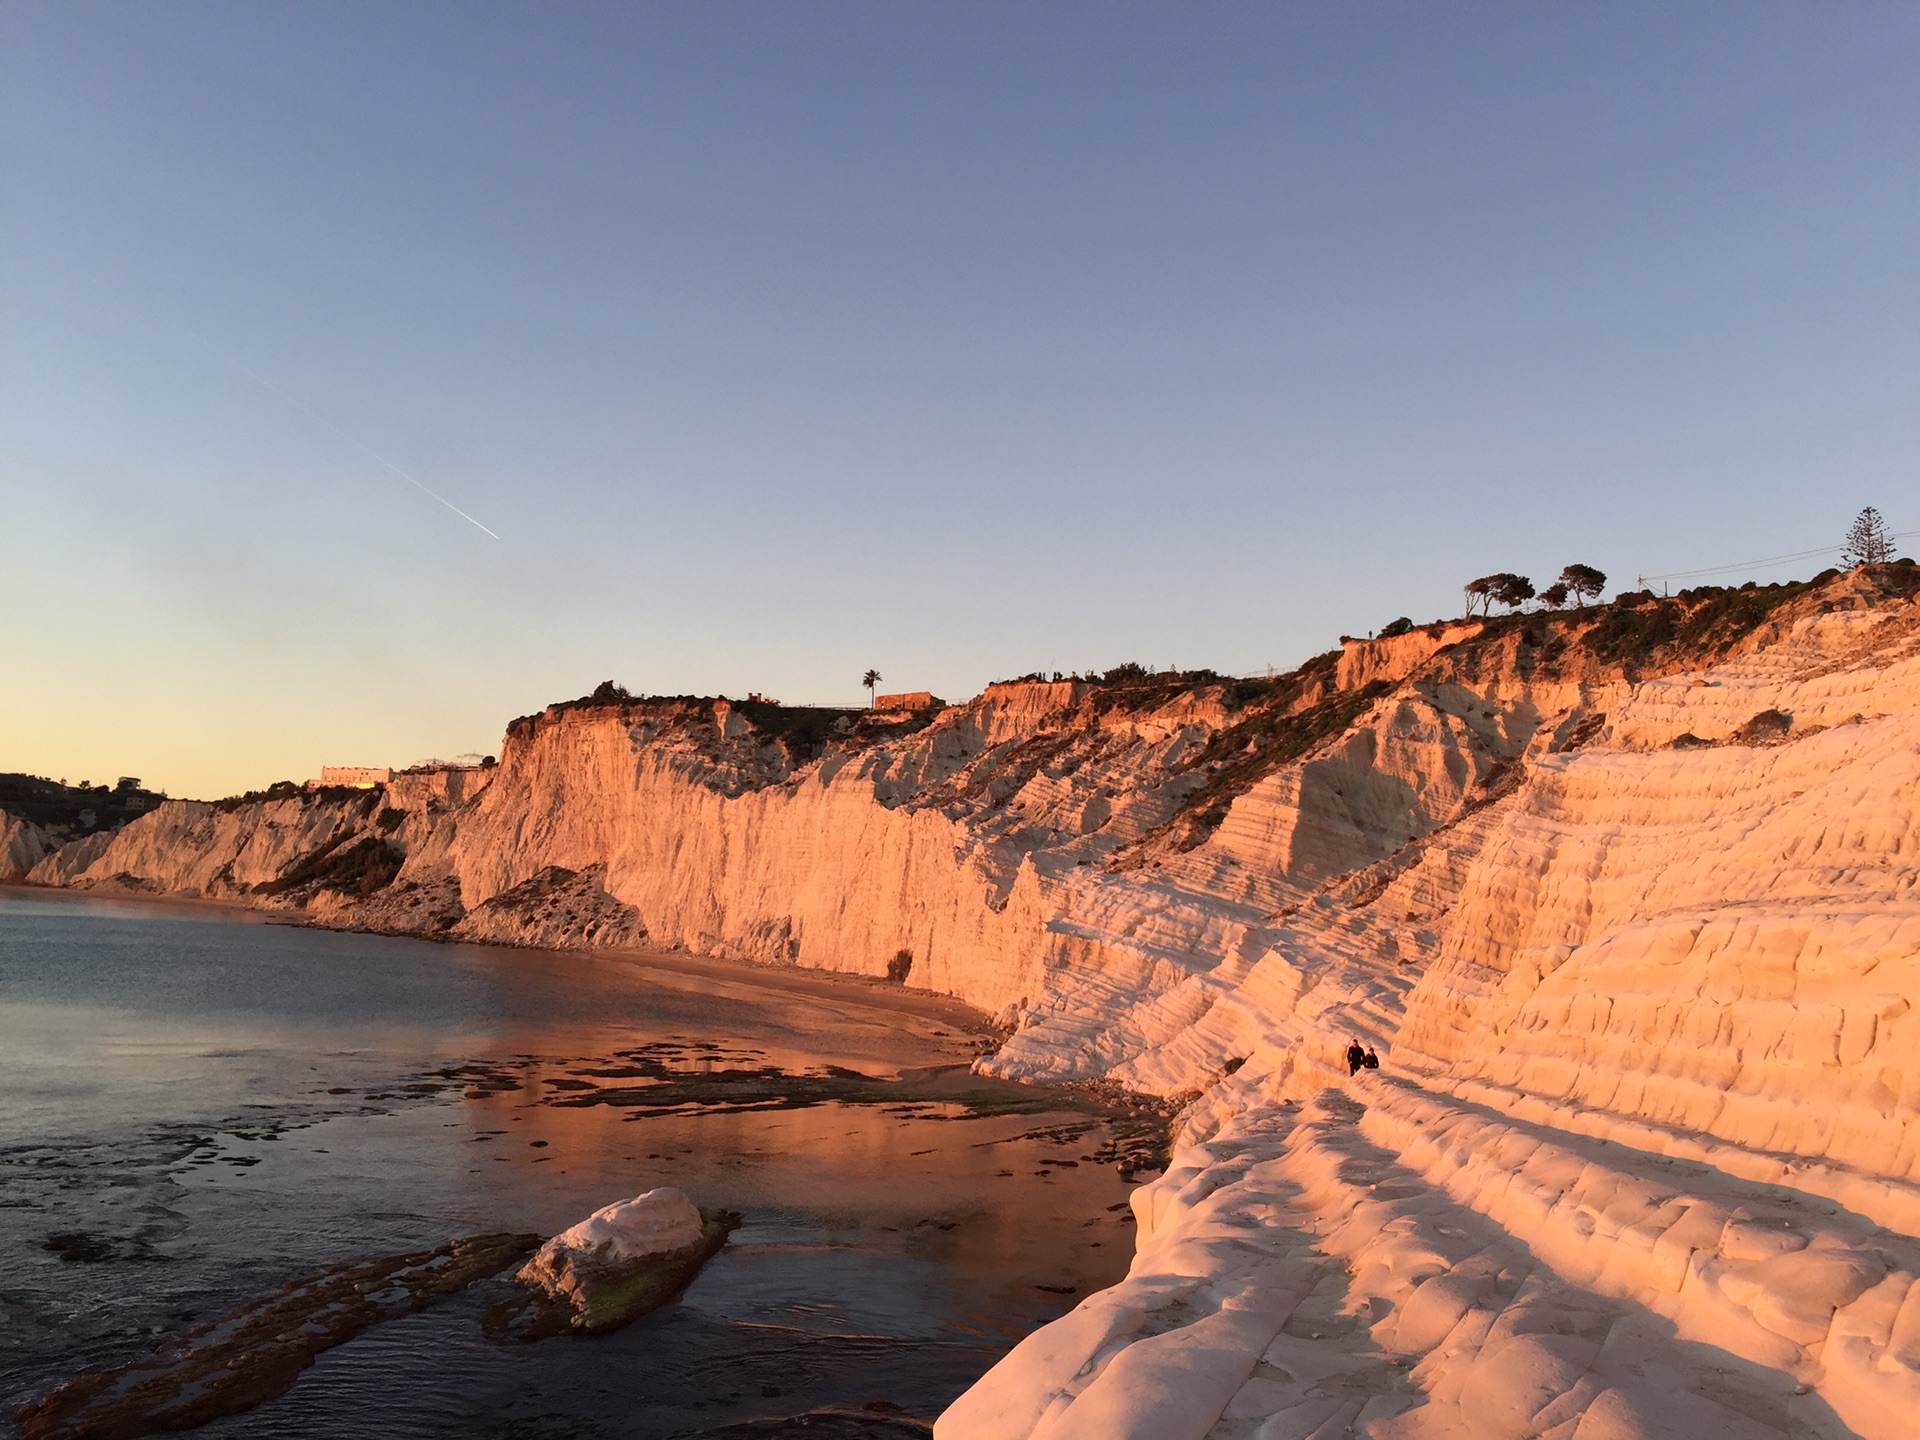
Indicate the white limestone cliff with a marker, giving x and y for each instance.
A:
(23, 845)
(1625, 899)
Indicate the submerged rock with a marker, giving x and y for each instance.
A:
(622, 1261)
(256, 1353)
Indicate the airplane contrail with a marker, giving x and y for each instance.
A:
(352, 440)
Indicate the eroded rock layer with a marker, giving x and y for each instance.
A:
(1624, 899)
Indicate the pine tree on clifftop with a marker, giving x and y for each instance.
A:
(1868, 542)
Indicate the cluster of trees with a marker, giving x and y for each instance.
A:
(1579, 583)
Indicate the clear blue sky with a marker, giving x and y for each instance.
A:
(777, 341)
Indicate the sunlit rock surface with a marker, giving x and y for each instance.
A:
(23, 845)
(1624, 898)
(626, 1258)
(653, 1223)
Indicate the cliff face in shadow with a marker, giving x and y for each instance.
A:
(1624, 896)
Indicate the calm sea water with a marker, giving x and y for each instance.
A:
(219, 1106)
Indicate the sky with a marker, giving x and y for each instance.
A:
(773, 342)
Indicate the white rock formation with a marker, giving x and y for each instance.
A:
(1625, 899)
(75, 862)
(1643, 1158)
(655, 1222)
(23, 845)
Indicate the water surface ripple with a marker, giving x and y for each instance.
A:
(195, 1110)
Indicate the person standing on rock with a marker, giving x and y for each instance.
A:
(1356, 1057)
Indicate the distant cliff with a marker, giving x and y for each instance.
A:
(1642, 874)
(38, 815)
(23, 845)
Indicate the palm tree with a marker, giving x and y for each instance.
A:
(870, 679)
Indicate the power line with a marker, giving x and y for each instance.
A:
(1769, 560)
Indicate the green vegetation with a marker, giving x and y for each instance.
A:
(1242, 693)
(294, 790)
(1273, 720)
(806, 730)
(63, 808)
(367, 865)
(1583, 582)
(1272, 736)
(1695, 623)
(1283, 718)
(1514, 591)
(1134, 688)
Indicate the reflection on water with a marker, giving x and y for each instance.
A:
(216, 1107)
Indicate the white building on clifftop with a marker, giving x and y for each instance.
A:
(361, 777)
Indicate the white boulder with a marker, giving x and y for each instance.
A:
(658, 1222)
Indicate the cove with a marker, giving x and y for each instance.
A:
(197, 1109)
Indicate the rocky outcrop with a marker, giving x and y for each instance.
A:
(23, 845)
(1396, 657)
(1646, 1017)
(557, 909)
(624, 1260)
(218, 851)
(254, 1354)
(74, 863)
(1623, 897)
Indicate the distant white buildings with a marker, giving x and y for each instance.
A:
(361, 777)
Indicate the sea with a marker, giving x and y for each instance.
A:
(199, 1108)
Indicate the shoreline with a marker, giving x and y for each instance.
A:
(898, 1003)
(794, 980)
(865, 992)
(853, 1165)
(226, 909)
